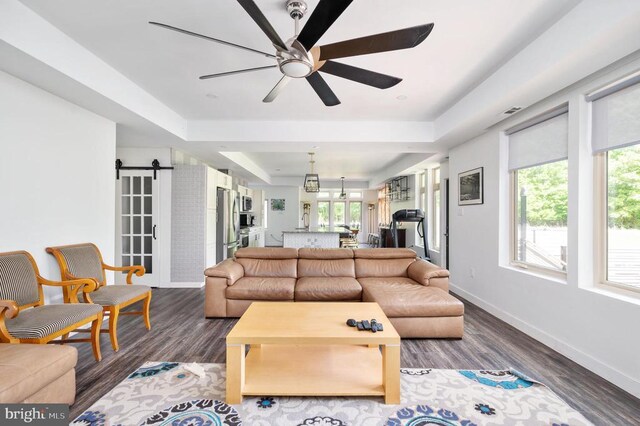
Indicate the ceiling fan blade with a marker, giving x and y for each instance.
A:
(322, 89)
(222, 74)
(393, 40)
(323, 16)
(277, 89)
(370, 78)
(254, 11)
(202, 36)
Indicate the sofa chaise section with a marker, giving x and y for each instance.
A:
(412, 293)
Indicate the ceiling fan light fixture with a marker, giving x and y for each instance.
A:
(300, 57)
(295, 68)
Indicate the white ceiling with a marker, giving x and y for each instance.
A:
(330, 165)
(481, 58)
(471, 38)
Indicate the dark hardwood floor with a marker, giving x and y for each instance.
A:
(181, 333)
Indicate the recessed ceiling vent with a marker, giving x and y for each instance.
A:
(512, 110)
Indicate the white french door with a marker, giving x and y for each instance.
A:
(137, 211)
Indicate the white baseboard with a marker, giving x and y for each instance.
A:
(587, 361)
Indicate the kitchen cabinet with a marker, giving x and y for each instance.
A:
(258, 206)
(223, 180)
(244, 191)
(256, 237)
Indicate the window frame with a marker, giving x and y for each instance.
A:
(601, 222)
(348, 212)
(435, 187)
(332, 212)
(513, 235)
(318, 213)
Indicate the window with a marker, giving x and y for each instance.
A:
(541, 195)
(322, 195)
(422, 177)
(355, 214)
(339, 213)
(616, 142)
(623, 216)
(538, 163)
(422, 203)
(355, 195)
(435, 221)
(323, 213)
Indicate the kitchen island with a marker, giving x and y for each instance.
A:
(320, 237)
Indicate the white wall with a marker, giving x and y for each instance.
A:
(281, 221)
(57, 177)
(596, 328)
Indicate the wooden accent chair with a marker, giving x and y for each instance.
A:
(85, 261)
(24, 318)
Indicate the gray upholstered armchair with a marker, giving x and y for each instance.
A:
(24, 318)
(85, 261)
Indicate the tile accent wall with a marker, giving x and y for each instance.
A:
(188, 213)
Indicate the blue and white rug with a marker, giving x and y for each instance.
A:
(164, 393)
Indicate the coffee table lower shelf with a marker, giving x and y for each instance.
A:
(308, 370)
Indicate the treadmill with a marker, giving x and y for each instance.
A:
(411, 215)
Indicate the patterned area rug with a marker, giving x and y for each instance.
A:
(164, 393)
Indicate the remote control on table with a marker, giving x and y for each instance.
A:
(360, 326)
(366, 324)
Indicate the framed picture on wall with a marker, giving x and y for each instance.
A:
(471, 187)
(277, 204)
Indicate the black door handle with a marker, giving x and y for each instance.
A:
(154, 232)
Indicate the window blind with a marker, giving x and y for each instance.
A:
(616, 119)
(539, 141)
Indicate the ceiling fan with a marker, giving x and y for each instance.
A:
(299, 58)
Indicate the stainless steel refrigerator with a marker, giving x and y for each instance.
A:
(227, 224)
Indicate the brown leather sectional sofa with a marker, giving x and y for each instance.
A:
(413, 293)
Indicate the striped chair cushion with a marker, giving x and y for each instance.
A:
(83, 261)
(18, 279)
(45, 320)
(109, 295)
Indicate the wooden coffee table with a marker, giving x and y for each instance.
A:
(306, 349)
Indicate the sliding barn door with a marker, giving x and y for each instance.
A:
(137, 211)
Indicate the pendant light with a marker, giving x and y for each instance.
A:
(311, 180)
(343, 195)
